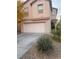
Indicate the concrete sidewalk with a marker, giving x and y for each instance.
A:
(24, 42)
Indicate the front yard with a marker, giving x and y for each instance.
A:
(33, 53)
(47, 46)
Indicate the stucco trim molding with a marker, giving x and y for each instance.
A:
(33, 22)
(40, 21)
(37, 19)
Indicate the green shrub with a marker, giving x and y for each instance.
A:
(57, 32)
(44, 44)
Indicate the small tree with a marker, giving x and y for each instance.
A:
(57, 32)
(20, 15)
(20, 11)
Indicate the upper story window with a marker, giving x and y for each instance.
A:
(40, 8)
(27, 11)
(54, 11)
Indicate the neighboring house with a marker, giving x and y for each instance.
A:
(38, 18)
(54, 17)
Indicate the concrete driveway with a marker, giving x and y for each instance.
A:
(24, 42)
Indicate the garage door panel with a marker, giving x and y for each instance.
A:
(34, 28)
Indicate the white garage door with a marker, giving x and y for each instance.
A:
(34, 28)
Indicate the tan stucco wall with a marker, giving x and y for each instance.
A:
(38, 27)
(46, 9)
(48, 26)
(29, 10)
(33, 11)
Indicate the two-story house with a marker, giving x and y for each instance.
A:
(38, 18)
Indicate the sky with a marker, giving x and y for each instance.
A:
(57, 4)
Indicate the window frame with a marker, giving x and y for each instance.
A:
(26, 10)
(40, 8)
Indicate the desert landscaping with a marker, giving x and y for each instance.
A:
(33, 53)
